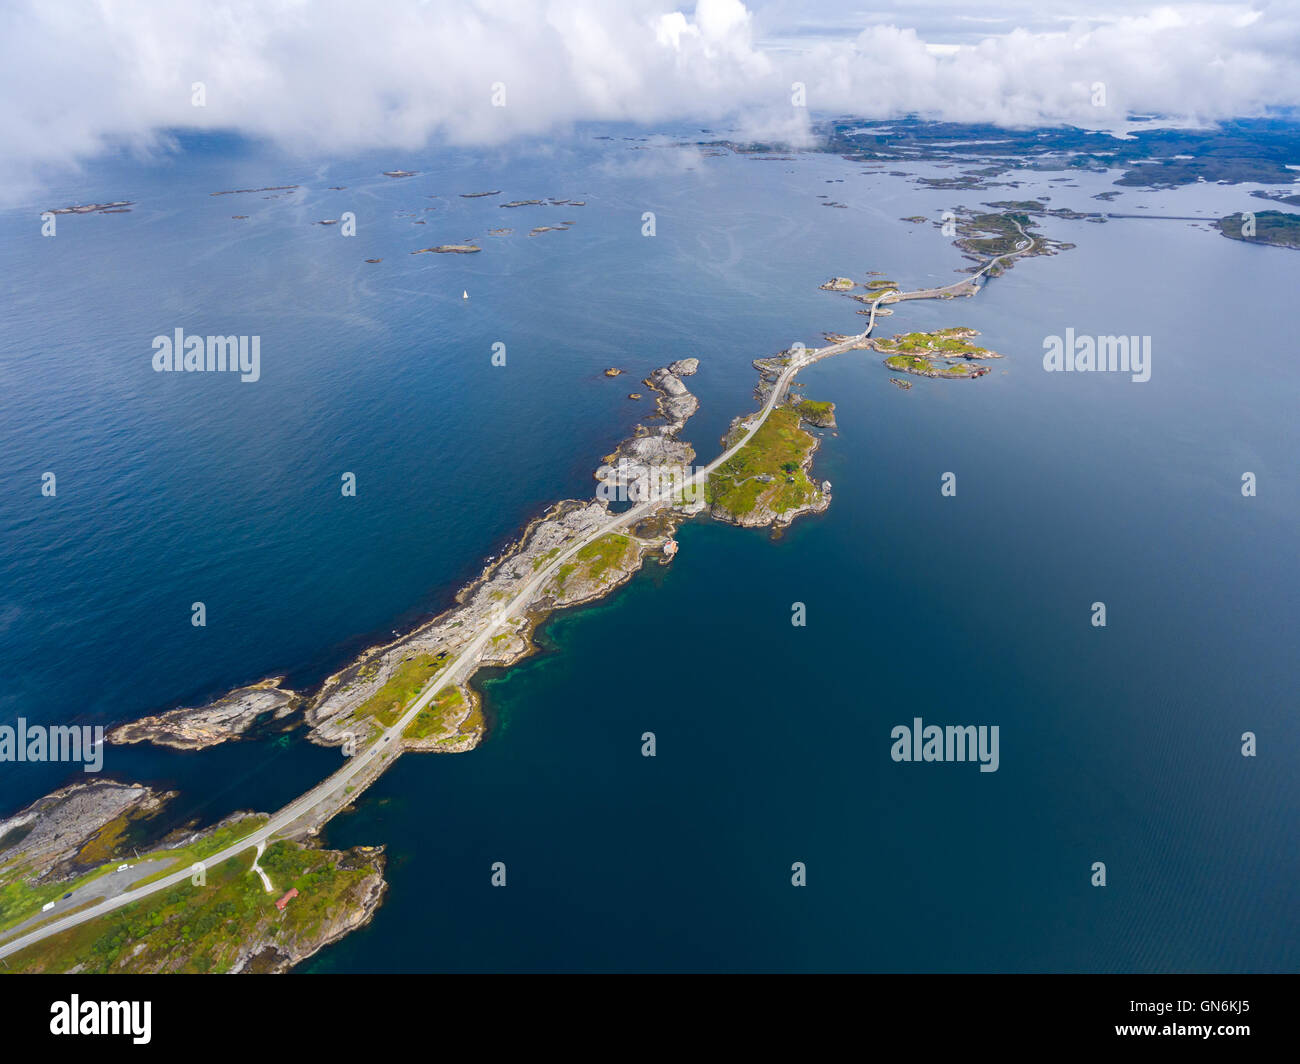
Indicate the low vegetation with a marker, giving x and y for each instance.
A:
(409, 678)
(1271, 227)
(943, 343)
(206, 929)
(768, 471)
(442, 718)
(916, 364)
(593, 562)
(992, 234)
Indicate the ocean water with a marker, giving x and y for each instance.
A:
(1119, 745)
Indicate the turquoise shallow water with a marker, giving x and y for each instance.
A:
(1118, 745)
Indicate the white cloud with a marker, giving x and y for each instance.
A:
(331, 76)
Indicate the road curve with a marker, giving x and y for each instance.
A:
(390, 740)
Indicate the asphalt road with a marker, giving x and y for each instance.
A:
(389, 742)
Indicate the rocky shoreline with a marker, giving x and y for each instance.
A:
(54, 838)
(369, 694)
(768, 483)
(77, 845)
(942, 354)
(274, 952)
(350, 705)
(198, 727)
(357, 702)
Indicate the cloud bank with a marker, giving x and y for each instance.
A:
(81, 77)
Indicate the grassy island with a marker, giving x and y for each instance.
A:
(815, 412)
(923, 367)
(992, 234)
(769, 473)
(942, 343)
(1276, 228)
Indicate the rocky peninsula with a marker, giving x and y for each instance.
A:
(230, 924)
(371, 693)
(71, 829)
(767, 483)
(81, 843)
(197, 727)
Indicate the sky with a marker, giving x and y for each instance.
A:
(82, 77)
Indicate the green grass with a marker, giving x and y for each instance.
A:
(407, 681)
(183, 856)
(543, 559)
(815, 410)
(778, 447)
(1271, 227)
(203, 929)
(951, 343)
(909, 362)
(1002, 235)
(20, 900)
(601, 554)
(916, 364)
(596, 559)
(436, 718)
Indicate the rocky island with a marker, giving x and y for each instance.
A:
(838, 284)
(371, 693)
(417, 688)
(244, 191)
(1275, 228)
(195, 728)
(945, 353)
(449, 249)
(116, 207)
(818, 414)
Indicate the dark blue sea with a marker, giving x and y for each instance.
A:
(1119, 745)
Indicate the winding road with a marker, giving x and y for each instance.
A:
(334, 787)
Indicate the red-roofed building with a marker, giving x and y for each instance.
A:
(293, 893)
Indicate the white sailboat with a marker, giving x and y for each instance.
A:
(464, 294)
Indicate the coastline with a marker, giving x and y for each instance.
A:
(342, 710)
(416, 688)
